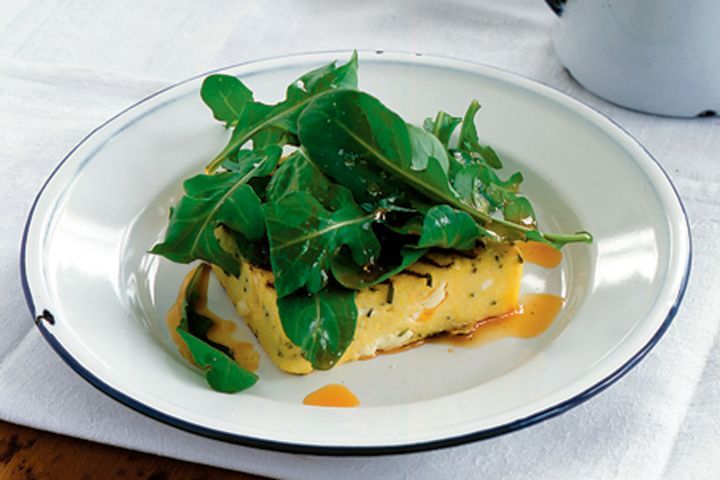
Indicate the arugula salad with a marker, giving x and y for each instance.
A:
(334, 192)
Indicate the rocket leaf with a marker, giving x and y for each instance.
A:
(442, 126)
(321, 324)
(446, 227)
(256, 118)
(469, 138)
(226, 96)
(304, 237)
(298, 174)
(221, 371)
(357, 141)
(211, 201)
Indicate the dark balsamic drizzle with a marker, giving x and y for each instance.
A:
(471, 255)
(434, 263)
(428, 278)
(390, 292)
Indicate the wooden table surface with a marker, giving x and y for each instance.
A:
(29, 454)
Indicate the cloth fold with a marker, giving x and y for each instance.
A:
(65, 68)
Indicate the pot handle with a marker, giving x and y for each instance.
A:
(557, 6)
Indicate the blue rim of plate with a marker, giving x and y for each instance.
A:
(528, 421)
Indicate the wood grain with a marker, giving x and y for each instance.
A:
(29, 454)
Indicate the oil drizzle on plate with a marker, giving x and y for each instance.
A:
(332, 395)
(174, 317)
(533, 317)
(540, 254)
(221, 331)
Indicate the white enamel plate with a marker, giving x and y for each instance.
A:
(100, 299)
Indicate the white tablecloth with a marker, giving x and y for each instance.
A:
(65, 66)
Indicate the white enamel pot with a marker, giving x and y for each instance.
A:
(655, 56)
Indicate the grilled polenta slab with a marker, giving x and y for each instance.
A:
(443, 292)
